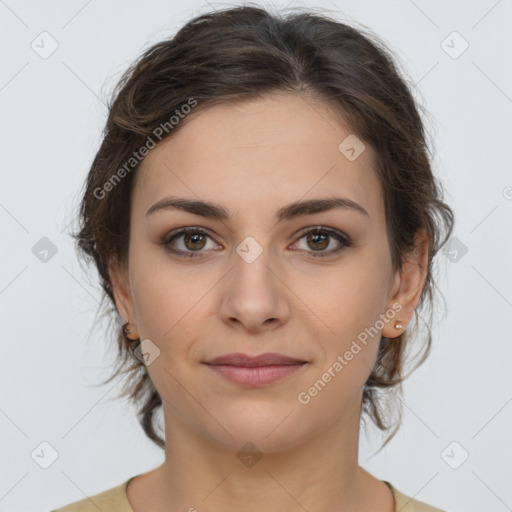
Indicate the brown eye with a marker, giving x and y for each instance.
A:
(196, 241)
(187, 242)
(318, 241)
(319, 238)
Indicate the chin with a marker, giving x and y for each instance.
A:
(269, 427)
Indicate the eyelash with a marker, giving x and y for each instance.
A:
(344, 240)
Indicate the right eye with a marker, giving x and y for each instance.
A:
(193, 240)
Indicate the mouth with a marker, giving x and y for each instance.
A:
(246, 360)
(255, 371)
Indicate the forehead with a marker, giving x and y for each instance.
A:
(263, 152)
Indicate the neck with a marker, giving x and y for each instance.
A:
(320, 473)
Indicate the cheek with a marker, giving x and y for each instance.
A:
(350, 307)
(170, 303)
(160, 299)
(154, 304)
(352, 298)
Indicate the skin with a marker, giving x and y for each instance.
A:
(253, 158)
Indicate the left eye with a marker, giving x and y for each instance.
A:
(319, 238)
(194, 240)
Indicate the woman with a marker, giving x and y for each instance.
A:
(263, 215)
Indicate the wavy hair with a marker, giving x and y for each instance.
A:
(245, 52)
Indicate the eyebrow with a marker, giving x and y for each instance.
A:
(288, 212)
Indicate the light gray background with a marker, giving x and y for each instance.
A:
(53, 351)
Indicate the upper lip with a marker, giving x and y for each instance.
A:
(268, 358)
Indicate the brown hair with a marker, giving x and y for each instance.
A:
(243, 53)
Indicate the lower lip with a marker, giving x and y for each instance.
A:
(255, 375)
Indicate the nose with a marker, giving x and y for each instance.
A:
(254, 296)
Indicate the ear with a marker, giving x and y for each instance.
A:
(121, 290)
(407, 285)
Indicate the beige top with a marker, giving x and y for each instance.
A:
(116, 500)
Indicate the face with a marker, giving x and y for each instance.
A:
(255, 281)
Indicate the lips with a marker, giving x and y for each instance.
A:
(255, 371)
(248, 361)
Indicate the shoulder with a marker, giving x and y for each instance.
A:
(113, 500)
(405, 503)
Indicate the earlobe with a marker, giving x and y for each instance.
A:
(417, 267)
(412, 279)
(120, 290)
